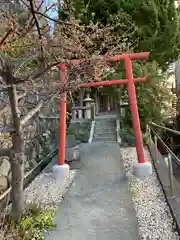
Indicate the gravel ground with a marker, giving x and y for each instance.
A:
(153, 214)
(46, 191)
(154, 217)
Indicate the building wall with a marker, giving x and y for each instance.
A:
(177, 3)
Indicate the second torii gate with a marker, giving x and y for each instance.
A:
(142, 168)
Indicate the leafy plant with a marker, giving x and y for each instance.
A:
(80, 131)
(34, 222)
(153, 95)
(134, 190)
(127, 135)
(154, 24)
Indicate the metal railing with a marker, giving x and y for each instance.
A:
(171, 156)
(175, 158)
(164, 128)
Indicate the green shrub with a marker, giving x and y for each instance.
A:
(127, 135)
(33, 224)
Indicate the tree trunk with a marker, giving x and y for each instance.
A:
(16, 157)
(17, 169)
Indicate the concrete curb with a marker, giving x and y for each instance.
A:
(117, 131)
(91, 135)
(163, 176)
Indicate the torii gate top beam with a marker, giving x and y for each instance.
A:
(131, 56)
(115, 58)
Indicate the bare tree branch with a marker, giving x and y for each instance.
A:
(37, 24)
(30, 114)
(19, 97)
(50, 18)
(55, 20)
(6, 36)
(39, 73)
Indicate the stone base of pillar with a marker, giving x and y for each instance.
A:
(142, 170)
(60, 172)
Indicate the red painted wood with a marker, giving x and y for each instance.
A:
(109, 83)
(134, 110)
(131, 56)
(130, 80)
(116, 58)
(62, 118)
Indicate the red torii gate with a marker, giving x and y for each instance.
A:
(130, 80)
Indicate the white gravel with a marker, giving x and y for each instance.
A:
(46, 191)
(153, 214)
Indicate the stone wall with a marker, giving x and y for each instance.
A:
(41, 138)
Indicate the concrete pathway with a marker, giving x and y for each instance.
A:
(98, 204)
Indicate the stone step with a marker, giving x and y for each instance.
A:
(106, 120)
(106, 134)
(105, 127)
(105, 130)
(104, 141)
(112, 138)
(99, 139)
(106, 123)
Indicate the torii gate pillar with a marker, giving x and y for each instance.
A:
(141, 168)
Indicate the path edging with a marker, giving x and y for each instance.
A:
(91, 135)
(163, 176)
(118, 131)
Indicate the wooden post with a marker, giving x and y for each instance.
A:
(62, 117)
(134, 110)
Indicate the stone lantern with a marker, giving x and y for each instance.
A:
(88, 103)
(123, 105)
